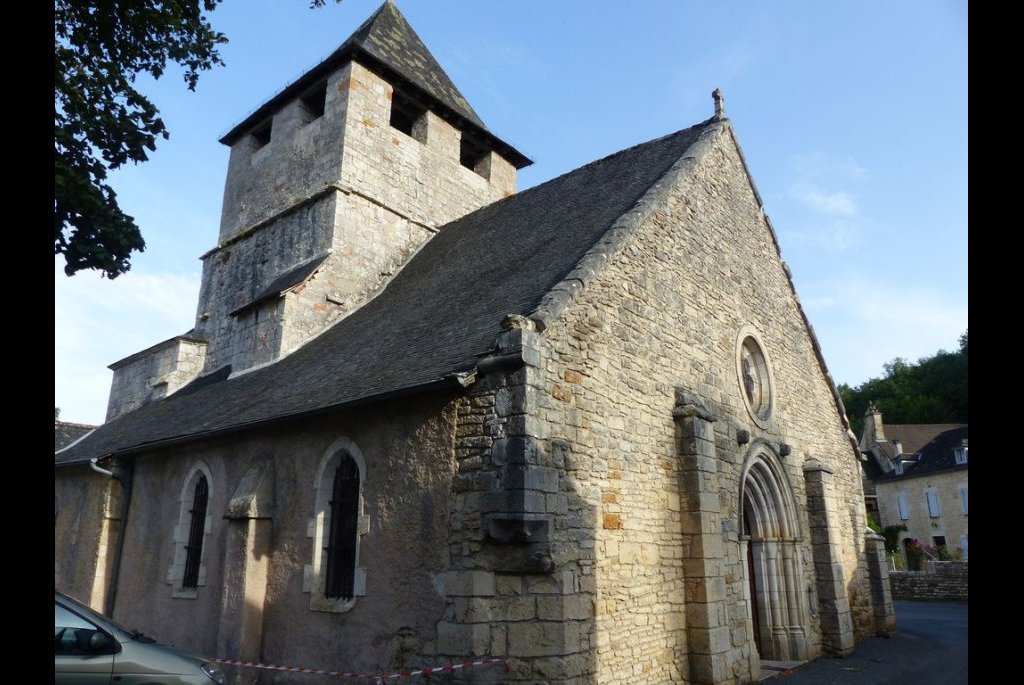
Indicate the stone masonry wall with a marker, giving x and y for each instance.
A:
(952, 520)
(521, 582)
(421, 179)
(83, 501)
(346, 182)
(408, 447)
(302, 157)
(665, 313)
(234, 275)
(154, 374)
(946, 581)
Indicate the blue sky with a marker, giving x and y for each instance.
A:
(852, 116)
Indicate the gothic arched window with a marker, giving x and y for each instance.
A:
(343, 533)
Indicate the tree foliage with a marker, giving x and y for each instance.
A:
(101, 121)
(934, 390)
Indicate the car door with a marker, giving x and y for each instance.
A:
(83, 654)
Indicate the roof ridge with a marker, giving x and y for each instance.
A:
(554, 302)
(75, 423)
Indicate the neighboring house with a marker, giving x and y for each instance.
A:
(919, 476)
(65, 433)
(424, 418)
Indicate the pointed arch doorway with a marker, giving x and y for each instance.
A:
(777, 615)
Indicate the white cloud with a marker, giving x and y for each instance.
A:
(825, 189)
(98, 321)
(812, 304)
(817, 165)
(825, 201)
(865, 324)
(835, 235)
(908, 309)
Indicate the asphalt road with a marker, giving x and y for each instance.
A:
(929, 648)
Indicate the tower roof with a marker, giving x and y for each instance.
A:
(387, 44)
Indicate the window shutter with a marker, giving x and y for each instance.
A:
(933, 504)
(963, 499)
(901, 504)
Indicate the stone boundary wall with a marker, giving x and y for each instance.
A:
(945, 580)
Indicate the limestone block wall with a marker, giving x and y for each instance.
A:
(944, 580)
(664, 313)
(345, 182)
(235, 274)
(370, 244)
(87, 515)
(419, 178)
(302, 157)
(521, 582)
(951, 523)
(409, 455)
(154, 373)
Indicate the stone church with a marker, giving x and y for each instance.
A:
(423, 418)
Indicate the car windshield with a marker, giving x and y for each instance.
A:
(96, 617)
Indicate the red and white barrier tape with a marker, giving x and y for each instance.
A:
(379, 678)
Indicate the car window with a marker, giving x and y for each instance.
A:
(97, 619)
(71, 632)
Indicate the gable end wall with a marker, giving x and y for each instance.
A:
(665, 313)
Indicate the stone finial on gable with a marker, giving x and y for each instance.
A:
(719, 99)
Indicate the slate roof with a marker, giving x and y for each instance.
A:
(65, 433)
(935, 455)
(436, 317)
(290, 279)
(387, 44)
(914, 436)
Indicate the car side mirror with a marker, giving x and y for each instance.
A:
(100, 642)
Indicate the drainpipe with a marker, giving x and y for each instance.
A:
(123, 474)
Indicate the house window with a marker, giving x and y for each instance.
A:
(188, 568)
(335, 579)
(903, 506)
(963, 499)
(932, 499)
(960, 454)
(408, 117)
(314, 102)
(194, 547)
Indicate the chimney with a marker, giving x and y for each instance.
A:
(873, 431)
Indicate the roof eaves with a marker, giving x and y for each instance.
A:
(452, 380)
(915, 473)
(357, 53)
(75, 442)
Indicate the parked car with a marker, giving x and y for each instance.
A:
(90, 649)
